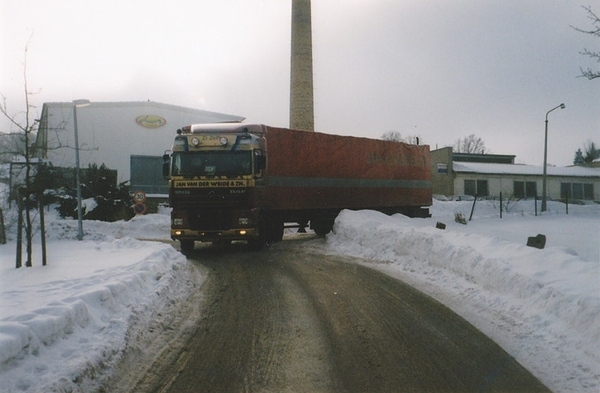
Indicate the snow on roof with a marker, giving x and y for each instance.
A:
(148, 104)
(517, 169)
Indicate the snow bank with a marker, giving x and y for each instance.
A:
(64, 326)
(530, 297)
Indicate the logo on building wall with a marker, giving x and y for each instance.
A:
(151, 121)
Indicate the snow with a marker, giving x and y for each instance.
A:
(521, 169)
(64, 326)
(541, 306)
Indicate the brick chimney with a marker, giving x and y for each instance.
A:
(301, 78)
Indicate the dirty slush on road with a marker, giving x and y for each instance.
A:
(288, 319)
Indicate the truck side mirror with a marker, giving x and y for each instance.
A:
(166, 169)
(261, 162)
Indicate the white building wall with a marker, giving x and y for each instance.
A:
(505, 183)
(109, 133)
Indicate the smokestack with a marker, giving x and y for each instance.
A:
(301, 85)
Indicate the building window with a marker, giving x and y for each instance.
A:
(524, 189)
(476, 187)
(470, 187)
(577, 191)
(530, 189)
(482, 188)
(565, 190)
(519, 189)
(588, 191)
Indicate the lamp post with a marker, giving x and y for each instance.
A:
(76, 104)
(561, 106)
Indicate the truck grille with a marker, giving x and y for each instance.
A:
(213, 219)
(208, 196)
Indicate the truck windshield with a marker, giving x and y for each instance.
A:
(221, 163)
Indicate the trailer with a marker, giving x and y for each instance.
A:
(234, 181)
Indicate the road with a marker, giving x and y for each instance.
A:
(290, 320)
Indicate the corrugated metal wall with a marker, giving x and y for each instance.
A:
(146, 175)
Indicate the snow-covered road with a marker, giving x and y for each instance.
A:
(541, 306)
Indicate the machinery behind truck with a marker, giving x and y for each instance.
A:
(234, 181)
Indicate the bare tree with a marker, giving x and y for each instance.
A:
(595, 31)
(396, 136)
(27, 126)
(470, 144)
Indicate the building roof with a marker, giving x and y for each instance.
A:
(488, 158)
(517, 169)
(214, 117)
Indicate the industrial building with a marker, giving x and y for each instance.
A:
(488, 175)
(129, 137)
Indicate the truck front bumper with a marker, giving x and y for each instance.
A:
(210, 236)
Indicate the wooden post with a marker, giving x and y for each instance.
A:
(42, 228)
(19, 234)
(2, 229)
(500, 205)
(473, 207)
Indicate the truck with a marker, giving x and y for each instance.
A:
(236, 181)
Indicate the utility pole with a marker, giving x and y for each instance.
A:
(561, 106)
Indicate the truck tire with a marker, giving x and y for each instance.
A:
(256, 244)
(186, 245)
(260, 241)
(275, 230)
(322, 226)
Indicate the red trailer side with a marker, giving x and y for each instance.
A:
(312, 170)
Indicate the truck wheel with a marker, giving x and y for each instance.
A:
(275, 231)
(186, 245)
(259, 242)
(256, 244)
(322, 226)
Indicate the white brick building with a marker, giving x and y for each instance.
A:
(460, 175)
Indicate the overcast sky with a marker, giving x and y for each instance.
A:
(439, 69)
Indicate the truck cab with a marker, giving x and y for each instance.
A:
(213, 172)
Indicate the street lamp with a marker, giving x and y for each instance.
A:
(561, 106)
(78, 104)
